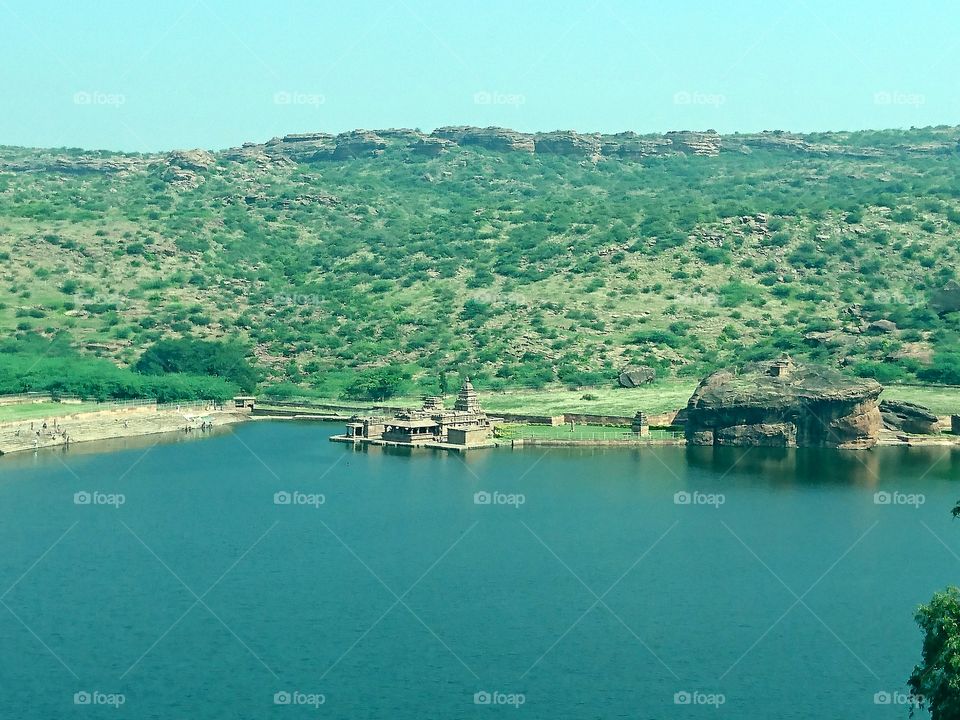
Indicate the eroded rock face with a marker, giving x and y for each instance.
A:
(195, 160)
(785, 405)
(567, 142)
(698, 143)
(358, 143)
(491, 138)
(908, 417)
(430, 146)
(299, 148)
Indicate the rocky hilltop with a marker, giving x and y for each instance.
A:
(782, 404)
(185, 167)
(595, 146)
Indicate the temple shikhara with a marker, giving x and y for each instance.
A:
(466, 425)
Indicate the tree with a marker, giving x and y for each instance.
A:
(199, 357)
(377, 383)
(935, 682)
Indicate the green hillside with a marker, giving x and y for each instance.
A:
(329, 258)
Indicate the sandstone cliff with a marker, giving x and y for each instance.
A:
(784, 405)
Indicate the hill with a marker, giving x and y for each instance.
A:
(520, 259)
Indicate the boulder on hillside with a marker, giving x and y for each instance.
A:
(884, 326)
(783, 404)
(195, 160)
(947, 298)
(909, 418)
(635, 377)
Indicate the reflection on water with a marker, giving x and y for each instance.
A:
(30, 458)
(811, 466)
(496, 596)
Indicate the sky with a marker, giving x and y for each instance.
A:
(148, 76)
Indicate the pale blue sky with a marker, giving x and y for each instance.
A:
(214, 73)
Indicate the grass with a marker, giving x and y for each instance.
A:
(579, 432)
(661, 397)
(941, 400)
(33, 411)
(652, 399)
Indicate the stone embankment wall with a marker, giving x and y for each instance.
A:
(21, 435)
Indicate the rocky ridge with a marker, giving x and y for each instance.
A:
(183, 166)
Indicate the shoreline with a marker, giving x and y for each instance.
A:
(67, 429)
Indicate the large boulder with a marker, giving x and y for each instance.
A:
(782, 404)
(883, 326)
(635, 377)
(947, 298)
(909, 418)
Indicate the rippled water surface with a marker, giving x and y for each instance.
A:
(212, 579)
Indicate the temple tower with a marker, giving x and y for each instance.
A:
(467, 399)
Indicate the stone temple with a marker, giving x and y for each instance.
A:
(466, 425)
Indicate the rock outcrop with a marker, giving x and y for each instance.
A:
(947, 298)
(697, 143)
(302, 147)
(184, 167)
(909, 418)
(635, 377)
(193, 160)
(567, 142)
(358, 143)
(491, 138)
(430, 146)
(784, 405)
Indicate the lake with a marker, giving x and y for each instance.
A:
(264, 571)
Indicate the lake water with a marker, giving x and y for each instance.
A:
(179, 583)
